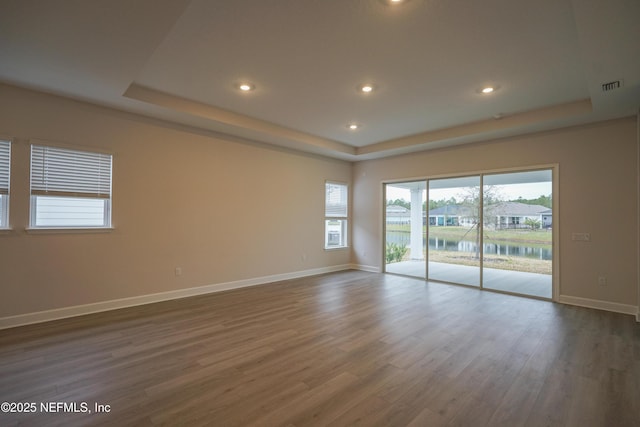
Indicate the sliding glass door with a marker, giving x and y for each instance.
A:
(454, 236)
(404, 228)
(490, 231)
(518, 244)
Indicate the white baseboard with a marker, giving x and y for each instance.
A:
(600, 305)
(80, 310)
(369, 268)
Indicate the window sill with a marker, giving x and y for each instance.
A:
(5, 231)
(336, 248)
(70, 230)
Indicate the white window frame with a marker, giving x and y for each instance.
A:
(337, 212)
(69, 174)
(5, 181)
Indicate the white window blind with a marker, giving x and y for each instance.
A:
(70, 188)
(336, 200)
(335, 215)
(62, 172)
(5, 173)
(5, 166)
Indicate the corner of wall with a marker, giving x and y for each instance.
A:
(638, 210)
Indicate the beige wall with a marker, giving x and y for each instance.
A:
(597, 194)
(222, 211)
(226, 211)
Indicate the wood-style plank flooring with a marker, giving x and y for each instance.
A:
(347, 348)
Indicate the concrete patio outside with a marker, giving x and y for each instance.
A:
(531, 284)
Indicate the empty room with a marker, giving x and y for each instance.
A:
(331, 213)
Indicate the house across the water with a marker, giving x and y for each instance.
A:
(500, 215)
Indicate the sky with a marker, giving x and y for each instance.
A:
(507, 192)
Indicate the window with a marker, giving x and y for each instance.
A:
(69, 188)
(335, 212)
(5, 167)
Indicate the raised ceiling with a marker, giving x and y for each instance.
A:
(182, 61)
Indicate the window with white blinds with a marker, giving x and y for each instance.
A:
(70, 188)
(336, 215)
(5, 173)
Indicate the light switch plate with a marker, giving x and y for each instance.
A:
(581, 237)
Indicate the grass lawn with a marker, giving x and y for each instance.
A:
(530, 238)
(500, 262)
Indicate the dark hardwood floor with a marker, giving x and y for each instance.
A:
(348, 348)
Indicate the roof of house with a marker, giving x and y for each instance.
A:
(453, 210)
(397, 210)
(517, 209)
(501, 208)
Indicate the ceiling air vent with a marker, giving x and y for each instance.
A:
(608, 87)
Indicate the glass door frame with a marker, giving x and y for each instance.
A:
(408, 185)
(479, 207)
(555, 229)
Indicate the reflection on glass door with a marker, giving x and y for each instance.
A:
(517, 235)
(454, 236)
(404, 228)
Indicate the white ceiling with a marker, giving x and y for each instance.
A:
(181, 60)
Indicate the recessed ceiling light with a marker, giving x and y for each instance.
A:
(353, 126)
(366, 88)
(485, 90)
(246, 87)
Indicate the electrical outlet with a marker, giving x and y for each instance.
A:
(178, 271)
(602, 280)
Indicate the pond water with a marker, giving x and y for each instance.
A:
(512, 249)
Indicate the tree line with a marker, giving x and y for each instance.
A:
(542, 200)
